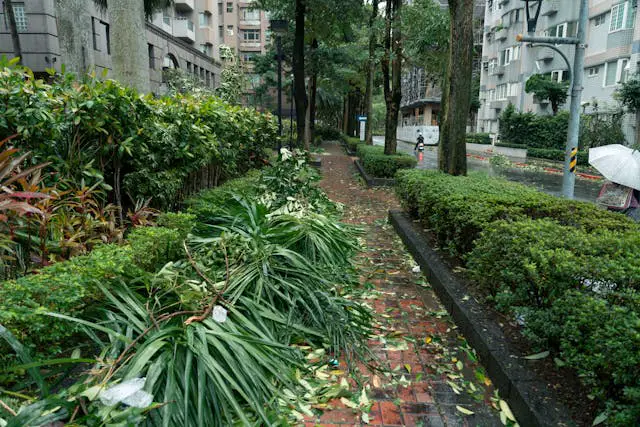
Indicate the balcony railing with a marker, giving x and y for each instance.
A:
(497, 70)
(501, 34)
(549, 7)
(185, 5)
(184, 29)
(545, 54)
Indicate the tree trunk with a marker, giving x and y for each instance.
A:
(129, 50)
(452, 151)
(371, 69)
(298, 72)
(312, 101)
(311, 113)
(345, 115)
(392, 87)
(13, 29)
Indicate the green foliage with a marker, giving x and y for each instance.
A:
(569, 272)
(328, 133)
(544, 87)
(233, 79)
(381, 165)
(558, 155)
(353, 143)
(509, 145)
(182, 222)
(99, 132)
(153, 247)
(478, 138)
(66, 287)
(457, 209)
(550, 132)
(629, 94)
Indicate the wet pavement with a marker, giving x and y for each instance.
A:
(547, 182)
(429, 375)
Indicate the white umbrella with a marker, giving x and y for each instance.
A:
(617, 163)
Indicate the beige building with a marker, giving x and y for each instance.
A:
(79, 35)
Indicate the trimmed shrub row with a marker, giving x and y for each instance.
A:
(381, 165)
(552, 154)
(568, 271)
(509, 145)
(478, 138)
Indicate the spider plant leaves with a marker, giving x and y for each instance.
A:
(25, 357)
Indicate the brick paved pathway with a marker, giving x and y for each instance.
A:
(433, 378)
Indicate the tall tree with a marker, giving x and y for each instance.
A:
(300, 93)
(371, 69)
(391, 70)
(452, 156)
(13, 28)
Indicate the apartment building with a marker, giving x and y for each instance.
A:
(79, 35)
(611, 57)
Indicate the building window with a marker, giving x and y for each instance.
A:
(251, 36)
(267, 36)
(618, 13)
(204, 19)
(559, 75)
(516, 53)
(501, 92)
(21, 16)
(166, 19)
(188, 67)
(248, 56)
(206, 48)
(600, 19)
(94, 34)
(107, 36)
(229, 30)
(506, 56)
(221, 32)
(152, 56)
(610, 71)
(219, 9)
(593, 71)
(623, 71)
(229, 7)
(250, 14)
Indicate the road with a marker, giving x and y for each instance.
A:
(549, 183)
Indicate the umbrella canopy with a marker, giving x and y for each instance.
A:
(617, 163)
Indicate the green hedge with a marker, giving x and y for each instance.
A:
(510, 145)
(328, 133)
(352, 143)
(568, 271)
(457, 209)
(577, 295)
(69, 288)
(380, 165)
(551, 154)
(479, 138)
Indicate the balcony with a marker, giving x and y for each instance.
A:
(503, 2)
(549, 7)
(252, 46)
(501, 34)
(545, 54)
(249, 24)
(185, 5)
(210, 6)
(184, 30)
(497, 70)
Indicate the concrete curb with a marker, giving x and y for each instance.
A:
(528, 396)
(347, 150)
(371, 181)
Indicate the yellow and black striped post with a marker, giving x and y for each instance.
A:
(574, 160)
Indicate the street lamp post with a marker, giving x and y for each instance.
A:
(279, 26)
(577, 77)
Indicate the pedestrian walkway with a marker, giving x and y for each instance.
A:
(433, 379)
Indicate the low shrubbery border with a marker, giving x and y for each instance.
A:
(548, 263)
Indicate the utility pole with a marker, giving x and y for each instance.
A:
(577, 77)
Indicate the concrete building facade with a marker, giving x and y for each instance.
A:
(611, 57)
(79, 35)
